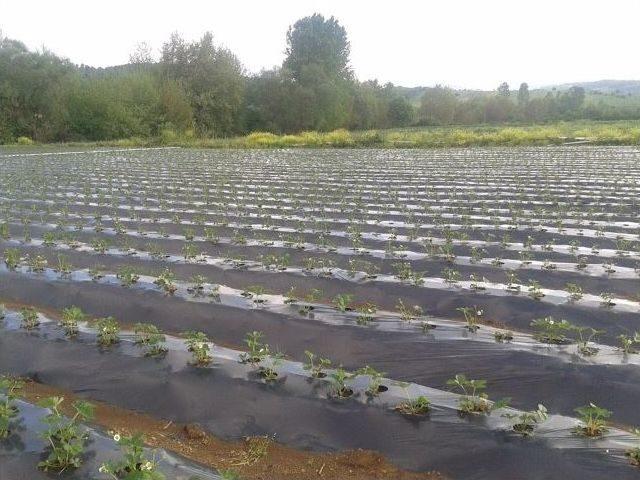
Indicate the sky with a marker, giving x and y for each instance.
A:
(461, 43)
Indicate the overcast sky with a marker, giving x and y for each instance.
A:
(461, 43)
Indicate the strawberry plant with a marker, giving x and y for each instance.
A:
(526, 421)
(134, 464)
(474, 399)
(375, 386)
(549, 330)
(30, 318)
(9, 390)
(63, 435)
(413, 406)
(593, 420)
(71, 316)
(108, 331)
(258, 350)
(340, 388)
(198, 344)
(151, 339)
(316, 365)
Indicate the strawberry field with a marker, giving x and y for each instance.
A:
(471, 312)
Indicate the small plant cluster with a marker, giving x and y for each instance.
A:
(134, 464)
(64, 436)
(199, 345)
(151, 339)
(9, 390)
(552, 331)
(474, 399)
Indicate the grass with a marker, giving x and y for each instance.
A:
(600, 133)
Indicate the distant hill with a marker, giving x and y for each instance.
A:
(621, 87)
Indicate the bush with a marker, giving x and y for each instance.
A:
(24, 141)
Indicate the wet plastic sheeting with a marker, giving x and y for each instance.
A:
(23, 449)
(461, 447)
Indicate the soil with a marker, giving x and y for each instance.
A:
(194, 443)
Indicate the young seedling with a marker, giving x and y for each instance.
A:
(269, 370)
(413, 406)
(108, 331)
(96, 272)
(258, 350)
(71, 316)
(316, 365)
(63, 435)
(30, 318)
(312, 297)
(549, 330)
(526, 421)
(366, 311)
(189, 251)
(165, 281)
(628, 343)
(472, 316)
(513, 282)
(255, 292)
(151, 339)
(634, 453)
(197, 285)
(586, 335)
(502, 336)
(409, 313)
(198, 344)
(607, 300)
(535, 290)
(127, 276)
(134, 464)
(9, 390)
(575, 292)
(474, 399)
(594, 420)
(340, 388)
(375, 386)
(343, 302)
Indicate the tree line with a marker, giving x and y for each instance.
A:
(199, 88)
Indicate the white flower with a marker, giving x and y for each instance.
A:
(116, 437)
(147, 466)
(103, 469)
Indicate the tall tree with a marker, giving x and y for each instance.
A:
(503, 89)
(523, 94)
(321, 42)
(214, 79)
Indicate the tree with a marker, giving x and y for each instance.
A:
(317, 41)
(401, 112)
(571, 100)
(212, 76)
(503, 90)
(142, 54)
(438, 106)
(523, 94)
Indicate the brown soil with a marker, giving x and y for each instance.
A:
(256, 458)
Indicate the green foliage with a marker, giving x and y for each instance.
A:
(474, 399)
(134, 464)
(198, 344)
(594, 420)
(70, 318)
(9, 390)
(526, 421)
(64, 437)
(108, 331)
(198, 93)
